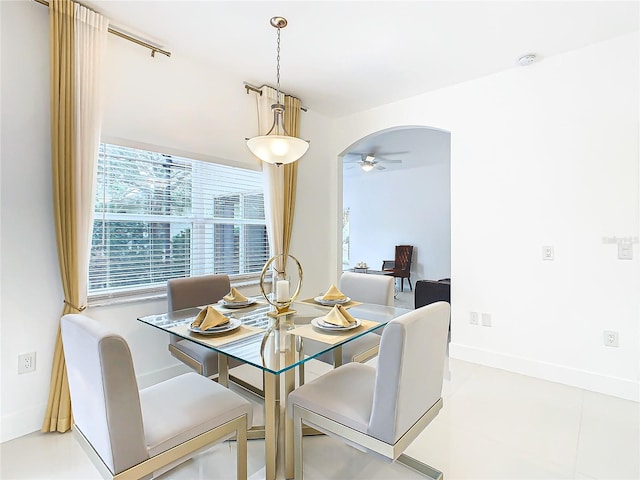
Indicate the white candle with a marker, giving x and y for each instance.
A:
(282, 291)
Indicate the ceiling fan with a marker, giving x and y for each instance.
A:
(370, 161)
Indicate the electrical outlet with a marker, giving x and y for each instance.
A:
(473, 318)
(610, 338)
(27, 362)
(486, 319)
(547, 252)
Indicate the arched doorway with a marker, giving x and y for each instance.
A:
(405, 198)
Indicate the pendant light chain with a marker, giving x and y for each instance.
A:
(278, 68)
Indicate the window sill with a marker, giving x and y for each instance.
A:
(156, 293)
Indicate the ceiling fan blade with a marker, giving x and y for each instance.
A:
(380, 159)
(384, 154)
(379, 167)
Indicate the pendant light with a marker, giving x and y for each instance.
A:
(277, 146)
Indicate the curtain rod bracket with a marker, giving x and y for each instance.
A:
(121, 34)
(251, 88)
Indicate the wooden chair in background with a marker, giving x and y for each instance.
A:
(401, 266)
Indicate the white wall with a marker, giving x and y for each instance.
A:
(172, 103)
(402, 207)
(542, 155)
(31, 294)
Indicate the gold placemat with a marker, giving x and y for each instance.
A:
(349, 304)
(331, 338)
(241, 332)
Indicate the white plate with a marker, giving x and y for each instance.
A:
(321, 324)
(248, 303)
(227, 327)
(331, 303)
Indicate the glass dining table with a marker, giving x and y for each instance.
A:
(274, 344)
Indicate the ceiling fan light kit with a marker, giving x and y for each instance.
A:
(367, 166)
(277, 146)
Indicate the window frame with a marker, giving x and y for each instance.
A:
(196, 219)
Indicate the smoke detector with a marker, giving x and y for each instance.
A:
(525, 60)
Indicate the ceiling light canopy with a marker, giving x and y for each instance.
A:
(277, 146)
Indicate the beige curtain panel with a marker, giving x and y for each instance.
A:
(77, 40)
(292, 125)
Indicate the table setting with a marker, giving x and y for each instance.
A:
(216, 325)
(332, 297)
(235, 299)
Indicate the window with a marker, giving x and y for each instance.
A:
(160, 216)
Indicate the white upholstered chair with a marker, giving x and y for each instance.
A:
(365, 288)
(195, 292)
(130, 433)
(381, 410)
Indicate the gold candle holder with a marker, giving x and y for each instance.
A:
(281, 303)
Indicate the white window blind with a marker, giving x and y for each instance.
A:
(160, 216)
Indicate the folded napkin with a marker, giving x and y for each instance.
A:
(234, 296)
(334, 294)
(339, 316)
(208, 318)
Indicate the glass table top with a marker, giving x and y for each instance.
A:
(274, 344)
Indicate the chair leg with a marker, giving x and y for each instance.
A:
(410, 286)
(297, 445)
(241, 450)
(426, 470)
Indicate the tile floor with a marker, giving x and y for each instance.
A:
(494, 425)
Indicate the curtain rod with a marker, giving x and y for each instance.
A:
(120, 34)
(248, 87)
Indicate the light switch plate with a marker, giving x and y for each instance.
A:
(547, 252)
(625, 251)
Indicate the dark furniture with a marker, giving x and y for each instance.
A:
(430, 291)
(401, 266)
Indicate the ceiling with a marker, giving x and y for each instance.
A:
(342, 57)
(348, 56)
(413, 146)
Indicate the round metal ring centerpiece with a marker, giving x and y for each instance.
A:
(282, 304)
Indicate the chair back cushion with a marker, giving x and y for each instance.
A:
(196, 291)
(410, 370)
(367, 288)
(104, 391)
(191, 292)
(403, 257)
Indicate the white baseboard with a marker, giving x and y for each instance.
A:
(29, 421)
(22, 423)
(595, 382)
